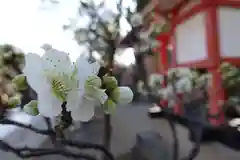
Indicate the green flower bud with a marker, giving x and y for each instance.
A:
(122, 95)
(10, 89)
(31, 108)
(7, 56)
(94, 81)
(1, 61)
(20, 82)
(110, 82)
(109, 106)
(96, 93)
(14, 101)
(4, 98)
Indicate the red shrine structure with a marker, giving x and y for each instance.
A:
(203, 34)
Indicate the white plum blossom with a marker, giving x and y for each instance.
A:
(182, 85)
(155, 78)
(56, 80)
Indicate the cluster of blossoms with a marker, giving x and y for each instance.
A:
(57, 80)
(11, 61)
(182, 80)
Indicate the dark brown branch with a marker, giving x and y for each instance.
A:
(29, 127)
(26, 152)
(88, 146)
(50, 132)
(49, 127)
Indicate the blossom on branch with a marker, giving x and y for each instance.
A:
(57, 80)
(117, 95)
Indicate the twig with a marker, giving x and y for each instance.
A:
(49, 127)
(50, 132)
(107, 133)
(29, 127)
(175, 146)
(26, 152)
(88, 146)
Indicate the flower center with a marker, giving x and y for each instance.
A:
(61, 84)
(59, 88)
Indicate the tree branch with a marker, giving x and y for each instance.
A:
(26, 152)
(81, 145)
(43, 152)
(47, 132)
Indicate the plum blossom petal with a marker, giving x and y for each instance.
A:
(48, 104)
(184, 85)
(57, 61)
(33, 71)
(86, 69)
(74, 99)
(85, 111)
(95, 68)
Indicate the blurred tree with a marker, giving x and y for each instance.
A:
(102, 33)
(141, 4)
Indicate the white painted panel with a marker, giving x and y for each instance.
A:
(191, 40)
(229, 30)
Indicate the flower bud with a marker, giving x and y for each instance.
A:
(20, 82)
(122, 95)
(14, 101)
(7, 56)
(109, 106)
(110, 82)
(1, 61)
(94, 81)
(95, 93)
(4, 98)
(10, 89)
(31, 108)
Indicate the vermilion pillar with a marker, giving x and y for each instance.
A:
(163, 62)
(163, 66)
(216, 90)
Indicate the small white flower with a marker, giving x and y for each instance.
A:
(234, 122)
(153, 78)
(155, 109)
(82, 102)
(184, 85)
(122, 95)
(56, 79)
(166, 93)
